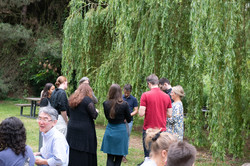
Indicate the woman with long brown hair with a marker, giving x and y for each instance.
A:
(115, 139)
(81, 134)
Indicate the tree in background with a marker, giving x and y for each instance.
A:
(30, 39)
(200, 45)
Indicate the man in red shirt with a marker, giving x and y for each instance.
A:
(156, 106)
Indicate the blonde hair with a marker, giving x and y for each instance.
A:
(178, 90)
(157, 140)
(60, 80)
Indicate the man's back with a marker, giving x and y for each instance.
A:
(156, 103)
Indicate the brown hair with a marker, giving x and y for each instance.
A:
(181, 153)
(82, 91)
(114, 97)
(157, 140)
(60, 80)
(153, 79)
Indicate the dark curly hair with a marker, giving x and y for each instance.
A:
(13, 135)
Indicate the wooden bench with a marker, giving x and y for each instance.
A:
(22, 105)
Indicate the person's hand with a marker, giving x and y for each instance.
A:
(37, 154)
(41, 161)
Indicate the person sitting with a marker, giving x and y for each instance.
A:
(13, 148)
(181, 154)
(55, 149)
(159, 143)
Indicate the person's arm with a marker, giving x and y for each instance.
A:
(60, 152)
(135, 111)
(41, 161)
(94, 99)
(169, 112)
(65, 117)
(128, 116)
(92, 111)
(142, 110)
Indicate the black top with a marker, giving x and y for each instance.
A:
(168, 91)
(59, 100)
(44, 102)
(121, 112)
(81, 134)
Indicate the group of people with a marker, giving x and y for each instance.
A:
(68, 129)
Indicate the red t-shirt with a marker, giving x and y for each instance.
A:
(156, 103)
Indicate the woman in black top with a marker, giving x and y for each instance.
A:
(46, 94)
(115, 139)
(81, 135)
(59, 101)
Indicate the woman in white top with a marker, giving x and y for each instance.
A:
(158, 142)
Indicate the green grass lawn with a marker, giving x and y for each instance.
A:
(135, 156)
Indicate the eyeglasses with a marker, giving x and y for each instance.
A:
(46, 120)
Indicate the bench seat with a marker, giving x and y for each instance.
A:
(22, 105)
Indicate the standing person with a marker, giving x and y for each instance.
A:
(133, 108)
(175, 123)
(13, 148)
(166, 87)
(115, 139)
(46, 94)
(181, 153)
(159, 143)
(156, 106)
(55, 149)
(81, 134)
(59, 101)
(85, 80)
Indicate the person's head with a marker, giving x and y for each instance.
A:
(47, 90)
(84, 80)
(164, 84)
(181, 153)
(159, 142)
(61, 82)
(13, 135)
(177, 93)
(114, 97)
(127, 90)
(152, 80)
(82, 91)
(47, 118)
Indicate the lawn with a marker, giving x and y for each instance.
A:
(135, 156)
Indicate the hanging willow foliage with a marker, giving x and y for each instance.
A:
(186, 41)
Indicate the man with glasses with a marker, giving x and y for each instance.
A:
(156, 106)
(55, 149)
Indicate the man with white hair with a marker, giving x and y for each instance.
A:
(85, 80)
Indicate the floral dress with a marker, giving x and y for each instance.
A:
(175, 123)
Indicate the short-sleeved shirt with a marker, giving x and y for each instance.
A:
(59, 100)
(156, 103)
(132, 102)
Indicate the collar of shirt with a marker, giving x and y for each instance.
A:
(126, 97)
(49, 133)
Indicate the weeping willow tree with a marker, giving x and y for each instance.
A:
(186, 41)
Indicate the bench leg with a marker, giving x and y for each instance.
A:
(21, 111)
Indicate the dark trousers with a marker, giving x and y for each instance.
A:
(146, 151)
(114, 160)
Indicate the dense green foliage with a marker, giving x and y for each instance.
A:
(30, 40)
(200, 45)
